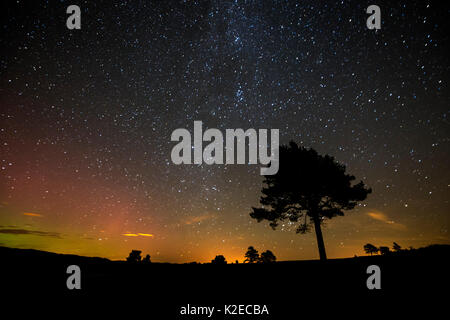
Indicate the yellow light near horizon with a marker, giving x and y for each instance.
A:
(145, 234)
(129, 234)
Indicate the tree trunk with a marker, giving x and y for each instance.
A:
(320, 243)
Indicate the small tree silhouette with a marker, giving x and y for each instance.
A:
(135, 256)
(396, 247)
(268, 257)
(384, 251)
(146, 259)
(370, 249)
(251, 256)
(309, 188)
(220, 259)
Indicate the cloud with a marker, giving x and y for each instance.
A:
(379, 216)
(198, 219)
(31, 214)
(145, 234)
(31, 232)
(129, 234)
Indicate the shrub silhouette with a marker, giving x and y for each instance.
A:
(384, 251)
(396, 247)
(220, 259)
(308, 188)
(135, 256)
(268, 257)
(146, 259)
(252, 255)
(370, 249)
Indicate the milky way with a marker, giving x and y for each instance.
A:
(86, 117)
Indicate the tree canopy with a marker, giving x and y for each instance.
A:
(135, 256)
(252, 255)
(268, 257)
(307, 189)
(219, 259)
(370, 249)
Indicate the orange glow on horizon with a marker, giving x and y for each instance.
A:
(31, 214)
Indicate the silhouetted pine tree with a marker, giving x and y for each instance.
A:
(308, 188)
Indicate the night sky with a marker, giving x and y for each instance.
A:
(86, 118)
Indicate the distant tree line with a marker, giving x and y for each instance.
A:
(135, 257)
(251, 256)
(383, 250)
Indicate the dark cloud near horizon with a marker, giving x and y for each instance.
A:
(31, 232)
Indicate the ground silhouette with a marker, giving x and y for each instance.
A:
(164, 287)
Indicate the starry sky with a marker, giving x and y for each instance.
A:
(86, 118)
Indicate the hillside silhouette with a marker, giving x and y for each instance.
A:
(166, 285)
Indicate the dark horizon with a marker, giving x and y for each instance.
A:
(392, 253)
